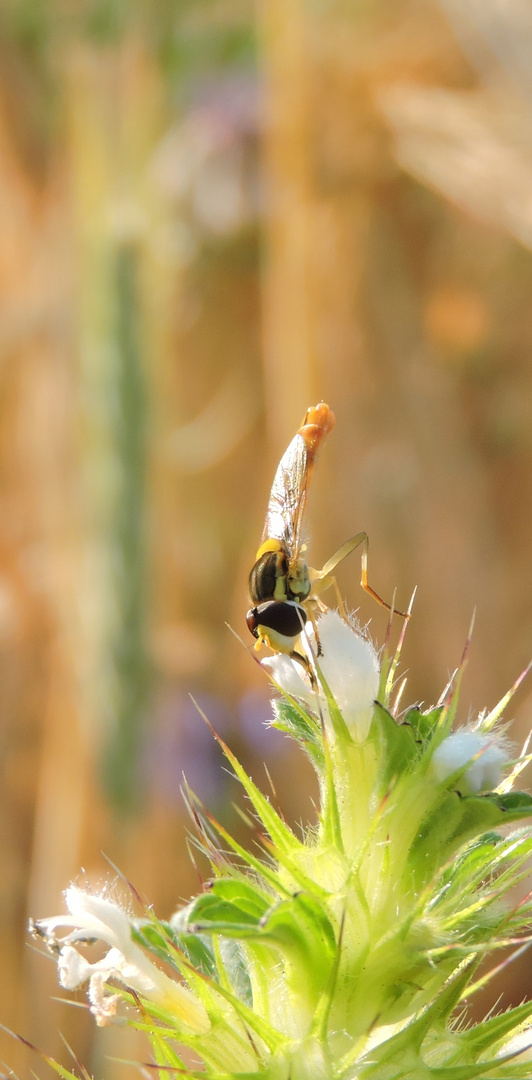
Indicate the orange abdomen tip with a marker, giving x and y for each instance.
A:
(318, 421)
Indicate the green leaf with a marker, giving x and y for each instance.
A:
(396, 744)
(236, 969)
(514, 804)
(303, 923)
(299, 927)
(423, 724)
(473, 864)
(241, 892)
(451, 822)
(455, 819)
(211, 913)
(301, 726)
(162, 939)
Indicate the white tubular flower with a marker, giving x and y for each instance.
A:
(74, 970)
(350, 666)
(486, 753)
(91, 916)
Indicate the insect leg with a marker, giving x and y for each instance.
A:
(307, 666)
(341, 554)
(321, 579)
(327, 583)
(367, 587)
(312, 617)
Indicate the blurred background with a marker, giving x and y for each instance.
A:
(213, 214)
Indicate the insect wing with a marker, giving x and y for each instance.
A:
(288, 495)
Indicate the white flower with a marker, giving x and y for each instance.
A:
(487, 754)
(350, 667)
(91, 916)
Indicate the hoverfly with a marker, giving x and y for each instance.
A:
(282, 587)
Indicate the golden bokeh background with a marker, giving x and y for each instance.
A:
(212, 215)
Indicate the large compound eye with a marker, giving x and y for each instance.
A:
(285, 618)
(253, 621)
(265, 574)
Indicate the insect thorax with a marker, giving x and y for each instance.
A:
(272, 579)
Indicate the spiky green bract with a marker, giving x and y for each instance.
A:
(344, 953)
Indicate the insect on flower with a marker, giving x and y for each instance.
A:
(282, 587)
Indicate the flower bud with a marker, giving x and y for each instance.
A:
(487, 756)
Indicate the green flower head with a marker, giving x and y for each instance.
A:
(346, 951)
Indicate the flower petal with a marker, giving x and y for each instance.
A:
(73, 968)
(349, 664)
